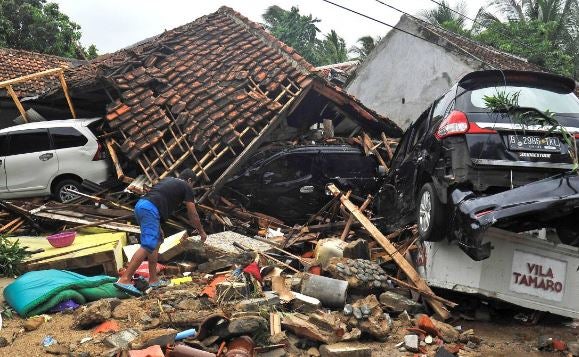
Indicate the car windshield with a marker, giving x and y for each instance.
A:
(537, 98)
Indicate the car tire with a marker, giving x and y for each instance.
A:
(60, 192)
(568, 234)
(429, 215)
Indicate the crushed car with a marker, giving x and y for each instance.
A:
(289, 182)
(468, 163)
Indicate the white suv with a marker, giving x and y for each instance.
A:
(49, 157)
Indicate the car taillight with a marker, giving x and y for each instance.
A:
(100, 153)
(455, 123)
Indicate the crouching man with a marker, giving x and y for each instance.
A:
(157, 205)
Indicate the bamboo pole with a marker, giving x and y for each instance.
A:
(66, 95)
(17, 102)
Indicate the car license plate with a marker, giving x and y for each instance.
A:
(534, 143)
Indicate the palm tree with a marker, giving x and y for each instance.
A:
(366, 45)
(445, 16)
(332, 49)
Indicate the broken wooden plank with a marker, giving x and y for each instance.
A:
(77, 220)
(402, 263)
(373, 150)
(351, 218)
(387, 146)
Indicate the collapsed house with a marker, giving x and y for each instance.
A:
(206, 93)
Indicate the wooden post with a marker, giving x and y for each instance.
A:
(65, 90)
(402, 263)
(351, 218)
(115, 159)
(386, 146)
(17, 102)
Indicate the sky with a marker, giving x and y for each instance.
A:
(114, 24)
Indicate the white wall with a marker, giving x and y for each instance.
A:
(402, 66)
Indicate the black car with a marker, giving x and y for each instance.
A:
(288, 182)
(455, 165)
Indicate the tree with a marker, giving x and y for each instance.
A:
(562, 17)
(36, 25)
(445, 16)
(365, 45)
(294, 29)
(534, 42)
(332, 49)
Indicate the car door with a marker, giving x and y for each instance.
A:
(406, 174)
(30, 163)
(3, 149)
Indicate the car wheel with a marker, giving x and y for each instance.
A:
(61, 192)
(568, 235)
(430, 217)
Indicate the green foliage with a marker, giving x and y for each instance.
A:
(332, 49)
(301, 31)
(11, 255)
(365, 45)
(448, 17)
(508, 103)
(297, 30)
(534, 42)
(36, 25)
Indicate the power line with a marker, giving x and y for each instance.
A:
(380, 22)
(404, 31)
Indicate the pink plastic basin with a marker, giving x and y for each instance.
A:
(62, 239)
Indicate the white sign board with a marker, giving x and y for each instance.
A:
(538, 276)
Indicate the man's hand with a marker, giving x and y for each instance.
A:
(194, 219)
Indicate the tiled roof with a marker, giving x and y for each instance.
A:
(18, 63)
(475, 50)
(215, 78)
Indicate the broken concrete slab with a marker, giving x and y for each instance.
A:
(342, 349)
(215, 265)
(95, 313)
(247, 325)
(411, 343)
(162, 337)
(269, 300)
(304, 303)
(122, 339)
(397, 303)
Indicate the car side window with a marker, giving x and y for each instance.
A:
(348, 165)
(29, 141)
(288, 168)
(67, 137)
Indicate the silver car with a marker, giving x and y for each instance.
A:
(50, 158)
